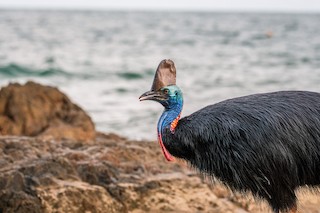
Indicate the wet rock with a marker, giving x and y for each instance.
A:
(16, 195)
(101, 174)
(19, 202)
(36, 110)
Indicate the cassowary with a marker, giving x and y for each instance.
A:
(267, 144)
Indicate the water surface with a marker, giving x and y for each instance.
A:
(104, 60)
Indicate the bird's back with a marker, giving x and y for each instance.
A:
(260, 143)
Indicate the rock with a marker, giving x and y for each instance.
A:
(77, 196)
(36, 110)
(110, 174)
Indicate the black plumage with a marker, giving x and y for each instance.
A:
(268, 144)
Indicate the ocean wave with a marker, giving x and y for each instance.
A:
(130, 75)
(14, 70)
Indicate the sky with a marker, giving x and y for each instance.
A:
(214, 5)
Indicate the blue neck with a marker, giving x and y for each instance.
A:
(169, 115)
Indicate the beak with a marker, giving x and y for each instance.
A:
(154, 96)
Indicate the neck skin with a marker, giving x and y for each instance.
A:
(168, 116)
(169, 119)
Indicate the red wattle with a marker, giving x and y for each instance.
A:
(167, 155)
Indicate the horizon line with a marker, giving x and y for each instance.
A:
(149, 9)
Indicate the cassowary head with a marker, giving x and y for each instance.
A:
(165, 92)
(170, 96)
(164, 89)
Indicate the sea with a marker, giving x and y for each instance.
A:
(104, 60)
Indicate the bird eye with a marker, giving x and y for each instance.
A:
(166, 91)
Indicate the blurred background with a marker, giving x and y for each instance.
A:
(103, 54)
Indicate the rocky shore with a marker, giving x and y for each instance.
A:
(65, 166)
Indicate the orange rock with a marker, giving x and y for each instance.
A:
(36, 110)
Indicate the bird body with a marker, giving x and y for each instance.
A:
(267, 144)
